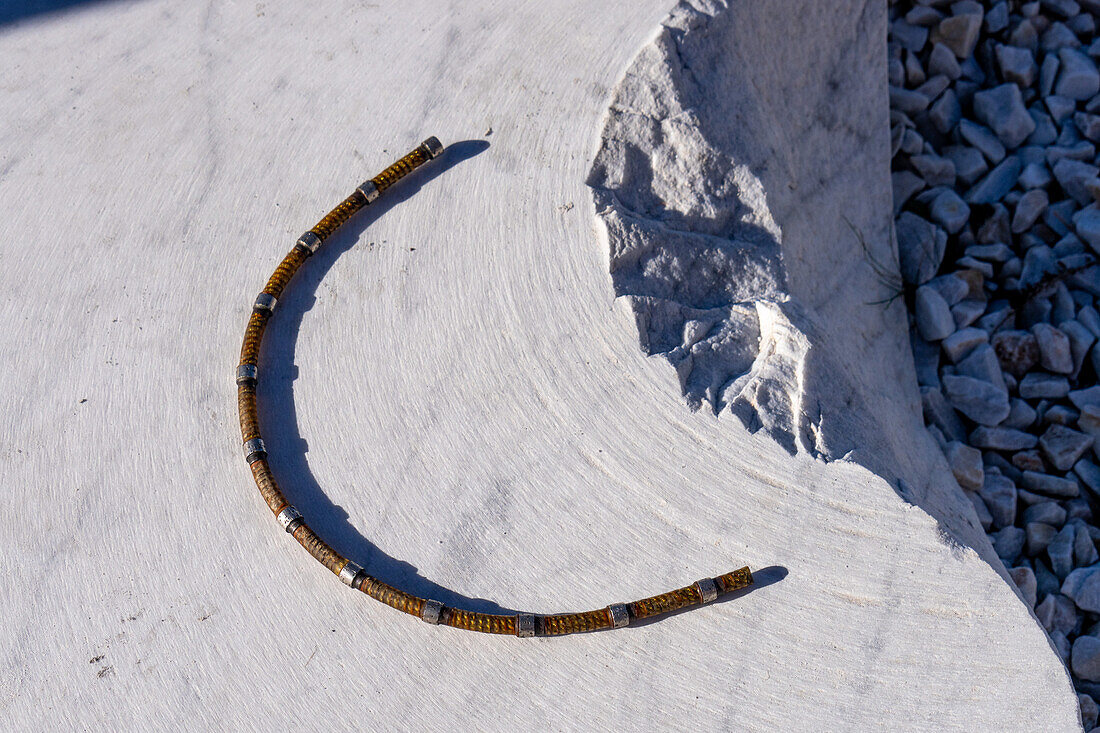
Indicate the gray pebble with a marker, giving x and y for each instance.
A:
(1054, 351)
(998, 464)
(973, 7)
(1085, 658)
(1048, 73)
(923, 15)
(983, 139)
(1047, 485)
(966, 465)
(1060, 108)
(939, 413)
(1038, 263)
(996, 183)
(1094, 357)
(934, 86)
(1063, 447)
(1089, 709)
(1090, 319)
(967, 311)
(972, 264)
(1079, 509)
(1045, 132)
(998, 311)
(1059, 217)
(1074, 177)
(953, 287)
(1088, 422)
(1028, 210)
(921, 247)
(914, 72)
(911, 143)
(1082, 586)
(996, 19)
(1021, 415)
(1084, 549)
(935, 170)
(1057, 613)
(1062, 301)
(1036, 310)
(979, 400)
(1086, 223)
(998, 252)
(998, 438)
(959, 344)
(1008, 543)
(1017, 351)
(908, 36)
(982, 364)
(926, 358)
(1058, 36)
(942, 61)
(1079, 150)
(937, 436)
(1033, 153)
(1082, 397)
(959, 33)
(1047, 512)
(1088, 125)
(1038, 385)
(1035, 175)
(1078, 78)
(1002, 110)
(1060, 551)
(1059, 415)
(945, 112)
(1046, 581)
(969, 163)
(1083, 25)
(981, 510)
(1017, 65)
(1024, 35)
(1089, 473)
(908, 101)
(1061, 645)
(1039, 536)
(1029, 460)
(904, 184)
(1024, 578)
(1080, 341)
(999, 495)
(933, 315)
(1064, 8)
(965, 88)
(897, 136)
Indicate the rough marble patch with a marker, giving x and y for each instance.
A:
(694, 246)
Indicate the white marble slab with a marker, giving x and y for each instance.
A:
(455, 397)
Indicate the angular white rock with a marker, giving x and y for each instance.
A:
(1002, 110)
(933, 314)
(1054, 351)
(1079, 78)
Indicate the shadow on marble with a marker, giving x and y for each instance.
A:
(288, 448)
(21, 9)
(278, 413)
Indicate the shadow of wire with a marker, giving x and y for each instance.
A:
(16, 10)
(287, 448)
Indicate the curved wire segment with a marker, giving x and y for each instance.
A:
(524, 624)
